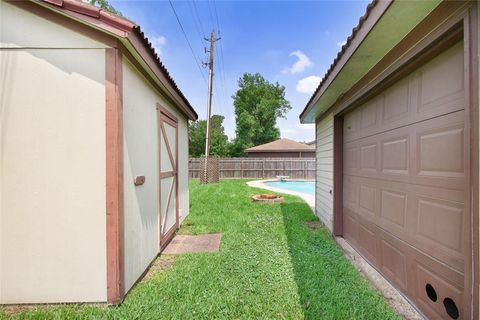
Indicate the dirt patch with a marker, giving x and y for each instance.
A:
(314, 225)
(13, 310)
(165, 261)
(194, 244)
(267, 198)
(187, 228)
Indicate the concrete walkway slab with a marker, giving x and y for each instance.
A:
(194, 244)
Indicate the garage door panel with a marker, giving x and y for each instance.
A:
(350, 194)
(351, 124)
(426, 153)
(438, 229)
(441, 152)
(393, 210)
(369, 120)
(410, 270)
(395, 153)
(433, 90)
(367, 242)
(441, 82)
(432, 218)
(367, 200)
(351, 158)
(350, 228)
(394, 263)
(368, 157)
(439, 287)
(397, 102)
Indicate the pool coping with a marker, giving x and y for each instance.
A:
(308, 198)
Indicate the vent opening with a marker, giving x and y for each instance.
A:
(431, 293)
(451, 308)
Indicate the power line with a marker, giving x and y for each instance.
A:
(198, 17)
(188, 42)
(211, 15)
(216, 16)
(222, 71)
(195, 20)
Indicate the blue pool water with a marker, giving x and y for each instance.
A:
(307, 187)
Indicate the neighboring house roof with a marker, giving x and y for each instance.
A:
(384, 24)
(129, 33)
(282, 145)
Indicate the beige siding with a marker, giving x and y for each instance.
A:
(52, 176)
(141, 158)
(20, 28)
(52, 164)
(324, 181)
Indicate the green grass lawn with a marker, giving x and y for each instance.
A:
(270, 266)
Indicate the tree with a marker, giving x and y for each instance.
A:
(106, 6)
(258, 103)
(218, 139)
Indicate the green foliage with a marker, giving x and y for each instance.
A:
(270, 266)
(218, 139)
(106, 6)
(258, 103)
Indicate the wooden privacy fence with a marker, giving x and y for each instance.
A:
(296, 168)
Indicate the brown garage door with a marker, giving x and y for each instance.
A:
(404, 184)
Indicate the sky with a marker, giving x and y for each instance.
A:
(289, 42)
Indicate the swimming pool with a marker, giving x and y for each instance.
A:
(307, 187)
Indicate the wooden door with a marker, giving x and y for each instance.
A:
(168, 164)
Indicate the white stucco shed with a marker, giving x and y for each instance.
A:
(93, 153)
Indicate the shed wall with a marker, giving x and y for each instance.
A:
(52, 165)
(324, 178)
(20, 29)
(141, 158)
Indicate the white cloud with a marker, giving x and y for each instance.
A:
(342, 43)
(158, 43)
(308, 84)
(297, 131)
(303, 62)
(305, 126)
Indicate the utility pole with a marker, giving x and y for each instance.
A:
(209, 107)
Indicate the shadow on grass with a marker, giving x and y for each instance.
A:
(328, 285)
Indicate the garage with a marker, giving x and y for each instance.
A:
(404, 185)
(396, 119)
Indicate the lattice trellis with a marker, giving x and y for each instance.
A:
(213, 170)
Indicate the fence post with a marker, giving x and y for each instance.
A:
(284, 172)
(263, 168)
(241, 168)
(304, 164)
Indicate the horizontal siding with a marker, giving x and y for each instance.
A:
(324, 174)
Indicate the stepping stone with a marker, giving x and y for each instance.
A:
(193, 244)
